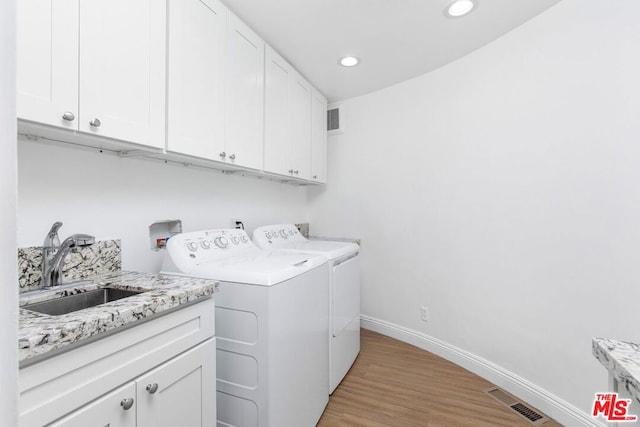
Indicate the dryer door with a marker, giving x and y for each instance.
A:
(345, 304)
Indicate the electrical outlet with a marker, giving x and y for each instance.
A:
(424, 313)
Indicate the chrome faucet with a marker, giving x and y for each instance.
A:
(54, 253)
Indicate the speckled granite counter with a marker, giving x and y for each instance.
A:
(622, 360)
(40, 334)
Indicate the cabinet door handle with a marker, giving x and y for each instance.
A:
(152, 388)
(296, 172)
(232, 157)
(69, 116)
(223, 154)
(315, 176)
(291, 171)
(126, 403)
(95, 122)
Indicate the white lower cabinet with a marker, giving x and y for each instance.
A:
(160, 373)
(182, 392)
(178, 392)
(111, 410)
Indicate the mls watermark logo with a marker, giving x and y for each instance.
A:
(612, 408)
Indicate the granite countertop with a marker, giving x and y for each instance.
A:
(41, 335)
(622, 360)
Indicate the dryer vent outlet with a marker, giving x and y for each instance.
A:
(303, 228)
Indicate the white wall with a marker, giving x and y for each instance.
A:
(503, 192)
(8, 267)
(118, 198)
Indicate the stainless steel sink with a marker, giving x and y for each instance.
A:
(71, 303)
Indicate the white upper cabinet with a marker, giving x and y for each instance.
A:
(196, 78)
(245, 95)
(318, 137)
(99, 68)
(187, 77)
(278, 118)
(122, 69)
(289, 120)
(47, 62)
(301, 142)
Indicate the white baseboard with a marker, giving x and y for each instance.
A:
(558, 409)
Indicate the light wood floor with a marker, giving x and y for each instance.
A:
(396, 384)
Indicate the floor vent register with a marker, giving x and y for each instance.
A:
(533, 416)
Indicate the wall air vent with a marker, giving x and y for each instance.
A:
(335, 120)
(533, 416)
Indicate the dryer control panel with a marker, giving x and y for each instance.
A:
(277, 236)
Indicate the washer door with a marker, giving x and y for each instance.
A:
(345, 304)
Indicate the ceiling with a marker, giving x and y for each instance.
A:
(395, 39)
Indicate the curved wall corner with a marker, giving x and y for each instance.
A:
(500, 191)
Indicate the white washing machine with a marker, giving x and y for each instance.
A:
(344, 290)
(271, 327)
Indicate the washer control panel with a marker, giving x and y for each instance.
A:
(277, 235)
(190, 249)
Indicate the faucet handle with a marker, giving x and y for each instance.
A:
(83, 239)
(52, 240)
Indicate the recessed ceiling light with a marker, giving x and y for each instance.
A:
(349, 61)
(460, 7)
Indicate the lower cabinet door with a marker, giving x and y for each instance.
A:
(181, 392)
(115, 409)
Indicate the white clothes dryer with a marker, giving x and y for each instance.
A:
(344, 290)
(271, 327)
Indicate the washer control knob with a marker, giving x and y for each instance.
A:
(235, 239)
(275, 234)
(268, 235)
(205, 244)
(192, 246)
(291, 232)
(221, 242)
(244, 239)
(283, 233)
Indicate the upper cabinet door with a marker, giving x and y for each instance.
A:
(122, 70)
(277, 125)
(245, 95)
(47, 61)
(301, 143)
(318, 137)
(196, 78)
